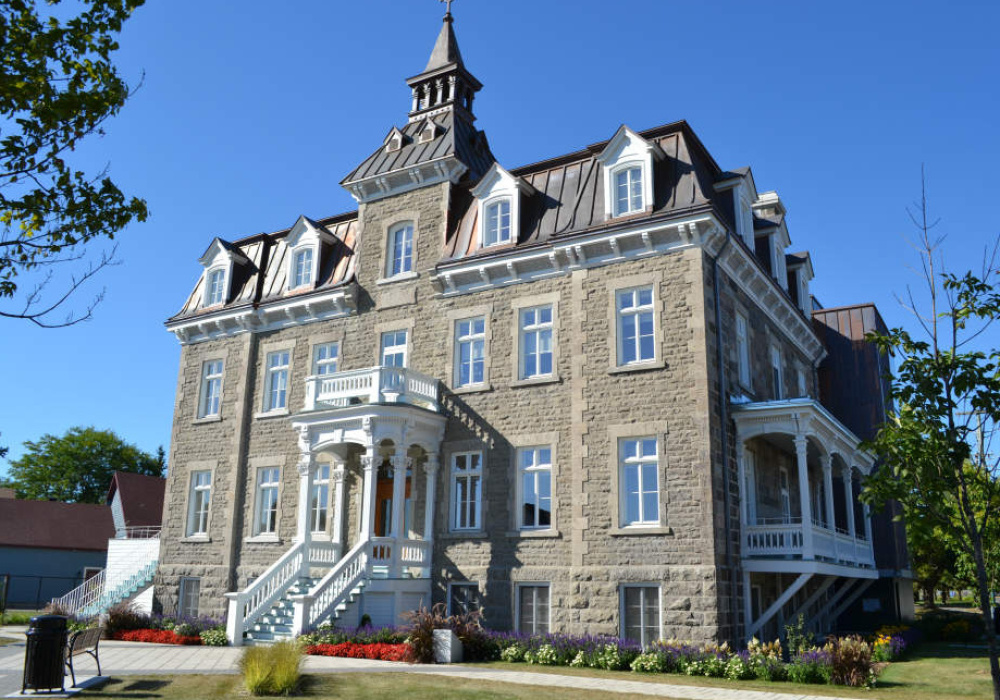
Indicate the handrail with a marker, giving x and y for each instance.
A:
(331, 590)
(138, 532)
(123, 590)
(99, 592)
(379, 384)
(246, 606)
(83, 596)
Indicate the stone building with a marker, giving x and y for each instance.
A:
(580, 395)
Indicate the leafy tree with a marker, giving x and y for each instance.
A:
(57, 86)
(935, 444)
(77, 467)
(932, 554)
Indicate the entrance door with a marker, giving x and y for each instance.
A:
(383, 504)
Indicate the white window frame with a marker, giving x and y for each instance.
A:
(777, 375)
(301, 276)
(538, 468)
(627, 168)
(319, 500)
(471, 509)
(470, 338)
(466, 585)
(785, 494)
(268, 485)
(624, 151)
(210, 391)
(636, 312)
(496, 186)
(404, 352)
(407, 263)
(639, 462)
(803, 384)
(326, 358)
(276, 384)
(645, 590)
(743, 351)
(199, 503)
(488, 233)
(538, 329)
(184, 593)
(779, 268)
(533, 587)
(750, 485)
(216, 295)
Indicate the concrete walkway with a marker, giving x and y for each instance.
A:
(132, 659)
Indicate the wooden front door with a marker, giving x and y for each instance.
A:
(383, 505)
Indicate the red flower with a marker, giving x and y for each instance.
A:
(351, 650)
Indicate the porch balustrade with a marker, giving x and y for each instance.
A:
(788, 540)
(373, 385)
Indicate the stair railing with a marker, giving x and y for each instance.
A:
(83, 596)
(246, 606)
(123, 590)
(331, 590)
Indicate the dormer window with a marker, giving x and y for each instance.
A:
(497, 228)
(302, 268)
(401, 249)
(628, 190)
(428, 133)
(394, 141)
(215, 291)
(778, 268)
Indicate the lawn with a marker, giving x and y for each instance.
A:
(4, 641)
(344, 686)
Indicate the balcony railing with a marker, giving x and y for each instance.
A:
(785, 540)
(375, 385)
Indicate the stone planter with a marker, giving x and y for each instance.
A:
(447, 647)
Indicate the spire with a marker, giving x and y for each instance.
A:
(445, 84)
(445, 48)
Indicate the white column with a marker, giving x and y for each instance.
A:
(801, 453)
(849, 500)
(831, 519)
(368, 493)
(868, 523)
(431, 469)
(303, 533)
(398, 500)
(339, 472)
(744, 494)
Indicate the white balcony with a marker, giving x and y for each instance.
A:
(788, 541)
(374, 385)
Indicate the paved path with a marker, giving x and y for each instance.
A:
(127, 658)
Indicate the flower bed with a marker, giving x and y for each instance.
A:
(352, 650)
(156, 637)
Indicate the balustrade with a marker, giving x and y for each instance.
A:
(371, 385)
(787, 540)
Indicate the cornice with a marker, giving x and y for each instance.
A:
(370, 189)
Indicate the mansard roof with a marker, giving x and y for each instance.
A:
(265, 278)
(456, 138)
(569, 194)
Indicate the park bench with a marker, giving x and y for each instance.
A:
(83, 642)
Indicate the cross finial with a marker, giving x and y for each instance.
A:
(448, 6)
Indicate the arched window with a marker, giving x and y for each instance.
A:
(400, 249)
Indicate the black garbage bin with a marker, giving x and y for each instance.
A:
(45, 655)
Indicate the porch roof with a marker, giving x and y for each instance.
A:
(801, 417)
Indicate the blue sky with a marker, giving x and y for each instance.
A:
(250, 115)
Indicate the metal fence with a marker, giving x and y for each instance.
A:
(34, 592)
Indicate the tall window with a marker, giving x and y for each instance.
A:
(470, 351)
(467, 487)
(320, 500)
(535, 467)
(750, 484)
(303, 268)
(266, 518)
(641, 613)
(216, 287)
(277, 380)
(187, 599)
(533, 609)
(628, 191)
(401, 249)
(743, 349)
(639, 482)
(198, 502)
(497, 223)
(394, 349)
(801, 375)
(779, 387)
(325, 358)
(211, 388)
(463, 598)
(536, 342)
(635, 325)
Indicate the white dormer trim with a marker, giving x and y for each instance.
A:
(627, 150)
(428, 131)
(218, 257)
(803, 275)
(393, 140)
(303, 236)
(496, 186)
(743, 209)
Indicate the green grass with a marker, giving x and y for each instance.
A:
(18, 617)
(4, 641)
(343, 686)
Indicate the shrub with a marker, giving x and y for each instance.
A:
(215, 637)
(650, 662)
(122, 617)
(810, 666)
(55, 608)
(273, 670)
(514, 653)
(850, 662)
(797, 638)
(330, 635)
(887, 648)
(155, 637)
(738, 668)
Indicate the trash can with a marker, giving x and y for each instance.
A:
(45, 655)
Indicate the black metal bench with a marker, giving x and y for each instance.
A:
(83, 642)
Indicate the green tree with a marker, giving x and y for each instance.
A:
(57, 86)
(932, 555)
(946, 391)
(76, 467)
